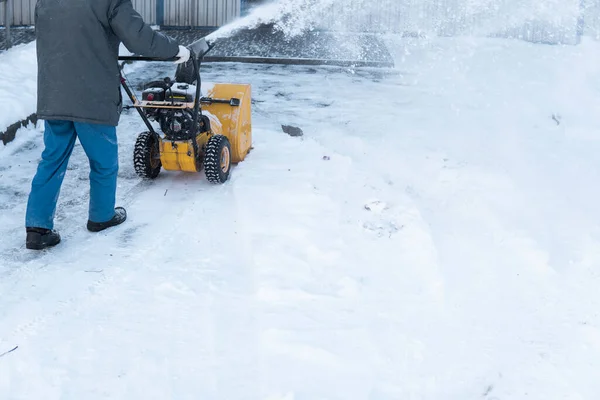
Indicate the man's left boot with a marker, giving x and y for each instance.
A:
(119, 217)
(41, 238)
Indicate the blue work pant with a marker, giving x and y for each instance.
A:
(100, 145)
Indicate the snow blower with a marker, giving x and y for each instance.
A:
(211, 130)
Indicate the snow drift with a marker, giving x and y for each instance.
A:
(18, 85)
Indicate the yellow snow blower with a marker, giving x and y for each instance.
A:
(211, 130)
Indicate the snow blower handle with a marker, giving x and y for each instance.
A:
(201, 47)
(143, 58)
(198, 50)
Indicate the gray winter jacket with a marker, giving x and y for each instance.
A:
(77, 48)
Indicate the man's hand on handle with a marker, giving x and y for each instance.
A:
(183, 55)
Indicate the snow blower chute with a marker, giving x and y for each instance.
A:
(210, 130)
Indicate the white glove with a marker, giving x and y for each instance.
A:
(184, 55)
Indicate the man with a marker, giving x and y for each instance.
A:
(79, 97)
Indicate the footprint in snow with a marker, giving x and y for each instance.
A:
(381, 222)
(128, 234)
(377, 206)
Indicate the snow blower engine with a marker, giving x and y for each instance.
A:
(176, 124)
(211, 131)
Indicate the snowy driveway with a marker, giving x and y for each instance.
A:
(434, 235)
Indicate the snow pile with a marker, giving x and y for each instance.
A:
(18, 84)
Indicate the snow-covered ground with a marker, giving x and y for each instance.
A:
(434, 235)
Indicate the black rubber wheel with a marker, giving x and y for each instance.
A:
(146, 156)
(217, 159)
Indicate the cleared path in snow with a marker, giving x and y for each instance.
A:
(434, 234)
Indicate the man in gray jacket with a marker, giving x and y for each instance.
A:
(79, 96)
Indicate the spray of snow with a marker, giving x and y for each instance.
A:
(291, 16)
(479, 16)
(493, 16)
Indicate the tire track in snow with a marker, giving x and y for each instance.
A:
(21, 267)
(72, 210)
(19, 256)
(221, 309)
(34, 270)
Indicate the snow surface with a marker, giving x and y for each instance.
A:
(434, 235)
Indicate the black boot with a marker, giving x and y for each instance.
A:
(40, 238)
(118, 219)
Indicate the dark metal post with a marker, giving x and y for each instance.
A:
(194, 14)
(7, 18)
(160, 12)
